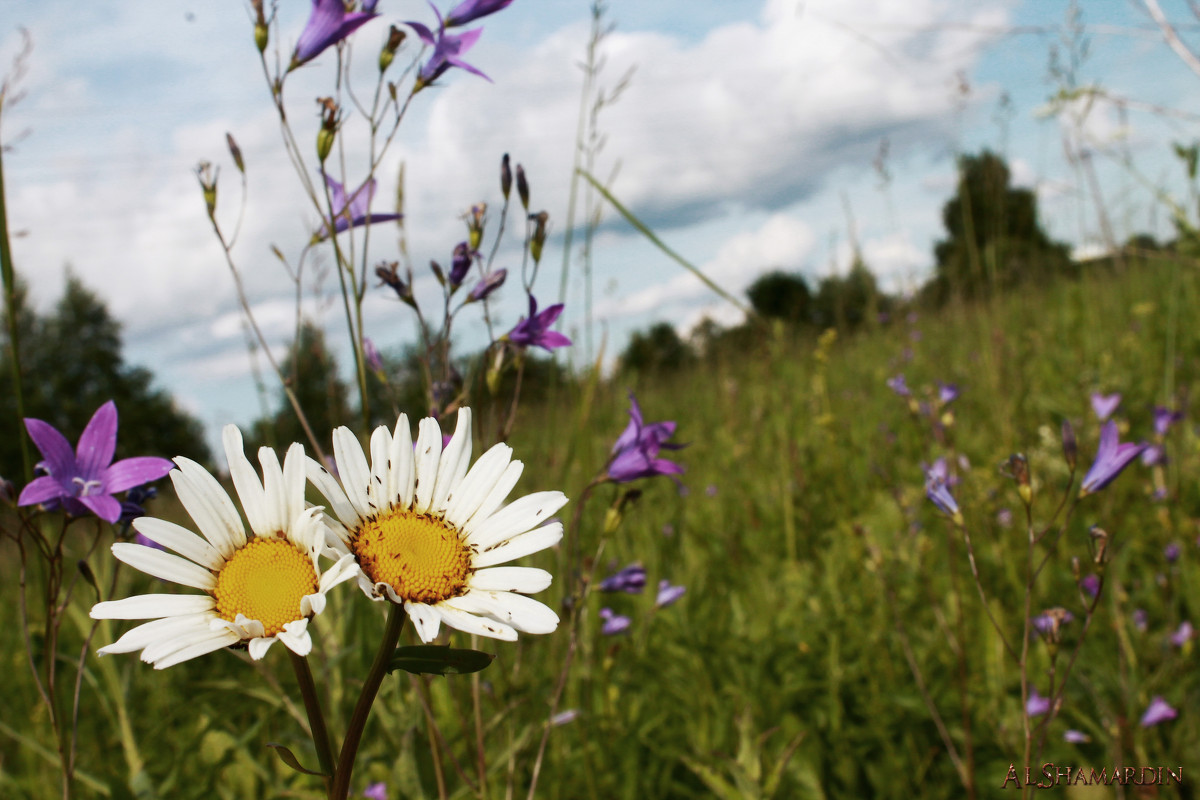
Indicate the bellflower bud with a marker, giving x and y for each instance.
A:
(505, 176)
(330, 117)
(208, 184)
(236, 152)
(460, 264)
(490, 283)
(522, 187)
(388, 53)
(261, 31)
(539, 235)
(475, 222)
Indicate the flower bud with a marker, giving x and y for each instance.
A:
(460, 264)
(261, 31)
(539, 235)
(236, 152)
(490, 283)
(330, 117)
(522, 187)
(1099, 539)
(208, 184)
(505, 176)
(436, 269)
(387, 273)
(388, 53)
(1069, 446)
(1018, 470)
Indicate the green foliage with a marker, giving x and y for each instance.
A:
(994, 239)
(658, 350)
(71, 364)
(781, 295)
(845, 303)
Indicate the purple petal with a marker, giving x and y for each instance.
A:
(56, 450)
(1158, 711)
(130, 472)
(327, 24)
(423, 33)
(104, 506)
(98, 442)
(39, 490)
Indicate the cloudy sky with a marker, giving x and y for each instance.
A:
(751, 136)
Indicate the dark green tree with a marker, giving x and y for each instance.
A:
(781, 295)
(847, 301)
(71, 364)
(657, 350)
(994, 240)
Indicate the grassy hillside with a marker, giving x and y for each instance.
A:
(832, 641)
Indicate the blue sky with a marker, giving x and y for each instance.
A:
(748, 137)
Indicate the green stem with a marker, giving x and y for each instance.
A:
(366, 698)
(312, 704)
(10, 307)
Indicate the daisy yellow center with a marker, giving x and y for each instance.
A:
(265, 580)
(422, 559)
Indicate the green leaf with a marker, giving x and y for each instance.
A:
(433, 659)
(289, 758)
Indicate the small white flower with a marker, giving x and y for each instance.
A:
(428, 534)
(258, 588)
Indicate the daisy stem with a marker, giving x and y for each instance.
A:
(366, 698)
(312, 704)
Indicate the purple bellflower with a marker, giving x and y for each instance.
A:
(328, 24)
(1183, 634)
(1154, 456)
(897, 385)
(371, 355)
(84, 481)
(535, 329)
(1073, 736)
(447, 49)
(1048, 622)
(613, 623)
(354, 211)
(376, 791)
(471, 10)
(1111, 458)
(668, 594)
(1090, 584)
(631, 580)
(1141, 620)
(1164, 418)
(948, 392)
(1036, 705)
(1158, 711)
(1105, 404)
(488, 284)
(460, 264)
(1172, 552)
(635, 453)
(938, 492)
(565, 717)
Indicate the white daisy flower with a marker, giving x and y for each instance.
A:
(428, 534)
(257, 589)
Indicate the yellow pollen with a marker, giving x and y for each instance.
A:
(265, 580)
(420, 557)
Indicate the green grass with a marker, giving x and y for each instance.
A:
(782, 672)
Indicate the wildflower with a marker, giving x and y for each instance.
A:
(947, 392)
(257, 589)
(613, 623)
(131, 506)
(371, 354)
(1158, 711)
(447, 49)
(328, 23)
(1154, 455)
(635, 453)
(1049, 621)
(488, 284)
(938, 492)
(564, 717)
(1171, 552)
(1004, 518)
(631, 580)
(427, 533)
(1183, 634)
(668, 594)
(1036, 705)
(471, 10)
(1140, 619)
(941, 469)
(352, 212)
(84, 481)
(1090, 585)
(1111, 458)
(1105, 404)
(535, 328)
(1164, 418)
(1076, 737)
(376, 791)
(460, 264)
(897, 385)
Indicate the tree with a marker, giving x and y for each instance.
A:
(71, 364)
(781, 295)
(846, 302)
(657, 350)
(994, 238)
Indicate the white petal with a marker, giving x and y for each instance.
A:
(275, 507)
(181, 540)
(190, 649)
(425, 620)
(259, 647)
(508, 479)
(477, 485)
(209, 506)
(153, 606)
(343, 570)
(523, 613)
(520, 545)
(164, 565)
(312, 604)
(353, 470)
(480, 626)
(381, 445)
(517, 517)
(159, 630)
(296, 636)
(453, 464)
(331, 490)
(400, 465)
(427, 456)
(527, 580)
(245, 480)
(293, 481)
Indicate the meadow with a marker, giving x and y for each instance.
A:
(831, 641)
